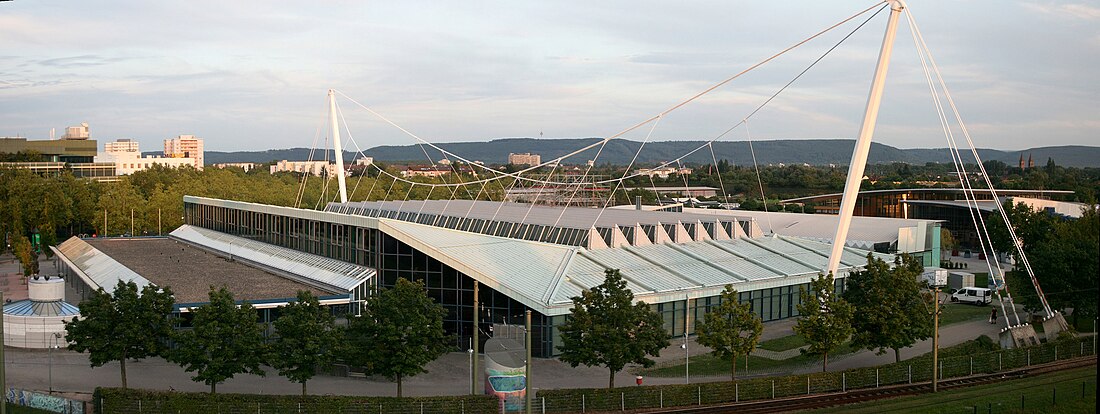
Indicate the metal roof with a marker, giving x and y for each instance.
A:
(567, 217)
(95, 267)
(863, 233)
(317, 269)
(1000, 192)
(553, 224)
(546, 276)
(27, 307)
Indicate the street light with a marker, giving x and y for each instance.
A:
(56, 336)
(687, 360)
(470, 352)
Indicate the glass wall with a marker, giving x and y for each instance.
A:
(454, 290)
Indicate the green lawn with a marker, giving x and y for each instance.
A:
(708, 365)
(783, 343)
(1037, 392)
(961, 312)
(981, 279)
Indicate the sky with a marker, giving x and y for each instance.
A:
(253, 75)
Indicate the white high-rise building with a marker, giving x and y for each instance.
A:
(185, 146)
(121, 146)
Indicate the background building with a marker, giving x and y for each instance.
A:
(524, 159)
(122, 146)
(947, 205)
(318, 168)
(246, 166)
(61, 150)
(77, 132)
(185, 146)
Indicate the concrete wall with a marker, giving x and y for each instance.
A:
(34, 331)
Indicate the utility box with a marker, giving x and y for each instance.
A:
(935, 276)
(959, 280)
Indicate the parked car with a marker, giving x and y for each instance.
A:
(973, 295)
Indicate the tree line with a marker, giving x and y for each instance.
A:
(396, 333)
(884, 307)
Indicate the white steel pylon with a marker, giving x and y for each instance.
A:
(336, 146)
(863, 144)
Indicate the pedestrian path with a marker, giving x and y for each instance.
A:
(778, 355)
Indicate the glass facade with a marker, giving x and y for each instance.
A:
(454, 290)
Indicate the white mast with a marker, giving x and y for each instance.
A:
(337, 147)
(863, 144)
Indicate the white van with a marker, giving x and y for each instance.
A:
(973, 295)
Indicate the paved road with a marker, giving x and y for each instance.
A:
(30, 369)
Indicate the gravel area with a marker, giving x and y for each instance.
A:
(190, 272)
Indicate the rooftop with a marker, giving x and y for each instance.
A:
(552, 224)
(190, 272)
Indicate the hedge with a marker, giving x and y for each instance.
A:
(972, 357)
(118, 400)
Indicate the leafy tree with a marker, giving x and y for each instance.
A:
(122, 325)
(1031, 227)
(947, 240)
(826, 318)
(888, 308)
(225, 340)
(400, 331)
(1063, 256)
(21, 247)
(604, 328)
(305, 338)
(730, 329)
(1067, 265)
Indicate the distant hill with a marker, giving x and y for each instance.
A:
(814, 152)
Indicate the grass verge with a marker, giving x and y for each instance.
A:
(952, 313)
(708, 365)
(1075, 391)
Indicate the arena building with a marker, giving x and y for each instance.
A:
(530, 257)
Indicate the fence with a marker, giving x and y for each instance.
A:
(115, 400)
(915, 370)
(44, 401)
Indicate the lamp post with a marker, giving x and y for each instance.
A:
(470, 351)
(56, 336)
(687, 361)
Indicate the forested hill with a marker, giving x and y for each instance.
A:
(814, 152)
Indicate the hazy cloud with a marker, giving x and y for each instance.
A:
(252, 74)
(1067, 10)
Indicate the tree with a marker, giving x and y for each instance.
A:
(400, 331)
(225, 340)
(947, 240)
(731, 329)
(1067, 265)
(826, 318)
(305, 338)
(1062, 253)
(122, 325)
(604, 328)
(888, 308)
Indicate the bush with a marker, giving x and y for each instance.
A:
(980, 355)
(113, 400)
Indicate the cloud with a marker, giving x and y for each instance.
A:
(81, 61)
(1066, 10)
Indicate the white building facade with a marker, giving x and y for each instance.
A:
(185, 146)
(317, 168)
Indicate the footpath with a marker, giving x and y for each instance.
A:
(449, 375)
